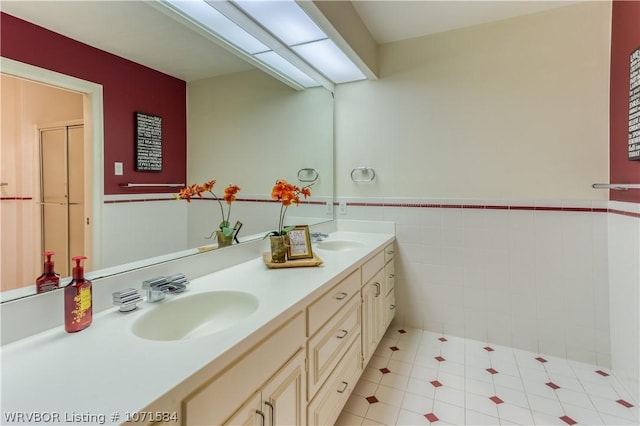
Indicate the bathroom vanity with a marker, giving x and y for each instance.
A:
(294, 359)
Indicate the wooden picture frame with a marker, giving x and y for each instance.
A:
(299, 243)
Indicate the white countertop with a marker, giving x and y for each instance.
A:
(106, 369)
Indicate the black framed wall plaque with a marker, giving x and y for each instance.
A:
(148, 143)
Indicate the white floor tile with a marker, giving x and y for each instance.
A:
(544, 419)
(399, 367)
(346, 419)
(395, 381)
(406, 394)
(409, 418)
(475, 418)
(390, 395)
(365, 387)
(481, 404)
(448, 413)
(417, 403)
(579, 399)
(551, 407)
(450, 395)
(451, 380)
(383, 413)
(356, 405)
(515, 414)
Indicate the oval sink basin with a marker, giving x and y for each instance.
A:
(195, 316)
(339, 245)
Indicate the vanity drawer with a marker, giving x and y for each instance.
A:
(329, 345)
(219, 398)
(325, 408)
(331, 302)
(389, 276)
(389, 251)
(372, 266)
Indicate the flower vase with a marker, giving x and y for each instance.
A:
(224, 240)
(278, 248)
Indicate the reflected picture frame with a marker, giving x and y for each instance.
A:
(299, 243)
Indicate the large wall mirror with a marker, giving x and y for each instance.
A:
(243, 127)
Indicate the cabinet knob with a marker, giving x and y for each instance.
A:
(392, 275)
(343, 334)
(378, 291)
(392, 307)
(345, 385)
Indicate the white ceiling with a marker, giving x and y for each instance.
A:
(141, 33)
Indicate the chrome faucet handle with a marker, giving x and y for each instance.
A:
(127, 299)
(154, 287)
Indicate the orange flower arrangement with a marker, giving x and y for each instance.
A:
(287, 194)
(196, 190)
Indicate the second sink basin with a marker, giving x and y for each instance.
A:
(340, 245)
(196, 315)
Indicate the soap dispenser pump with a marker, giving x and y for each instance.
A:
(49, 280)
(78, 312)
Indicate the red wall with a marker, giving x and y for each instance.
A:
(128, 87)
(625, 38)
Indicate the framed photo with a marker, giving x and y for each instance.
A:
(300, 243)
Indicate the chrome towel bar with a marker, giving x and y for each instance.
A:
(616, 186)
(137, 185)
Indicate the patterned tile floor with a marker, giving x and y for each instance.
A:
(418, 377)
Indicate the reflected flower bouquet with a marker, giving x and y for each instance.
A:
(230, 192)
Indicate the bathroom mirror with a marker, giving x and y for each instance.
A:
(247, 128)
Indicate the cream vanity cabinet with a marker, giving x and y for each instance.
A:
(304, 371)
(333, 349)
(378, 299)
(267, 383)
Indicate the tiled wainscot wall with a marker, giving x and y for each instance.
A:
(535, 275)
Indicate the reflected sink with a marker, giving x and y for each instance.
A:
(195, 316)
(339, 245)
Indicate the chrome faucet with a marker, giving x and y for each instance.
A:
(158, 288)
(317, 237)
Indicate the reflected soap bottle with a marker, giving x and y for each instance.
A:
(49, 280)
(78, 312)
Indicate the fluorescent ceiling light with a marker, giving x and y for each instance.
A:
(335, 65)
(278, 35)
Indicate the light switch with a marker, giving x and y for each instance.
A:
(118, 168)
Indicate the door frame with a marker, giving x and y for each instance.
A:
(93, 114)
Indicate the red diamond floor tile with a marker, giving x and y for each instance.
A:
(492, 371)
(436, 384)
(372, 399)
(439, 359)
(402, 331)
(568, 420)
(488, 349)
(624, 403)
(552, 385)
(394, 348)
(442, 339)
(496, 400)
(431, 417)
(602, 373)
(385, 370)
(540, 359)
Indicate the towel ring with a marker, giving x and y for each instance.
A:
(308, 171)
(364, 171)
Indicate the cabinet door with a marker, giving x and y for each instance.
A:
(284, 401)
(249, 414)
(372, 315)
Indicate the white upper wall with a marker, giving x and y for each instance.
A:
(516, 109)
